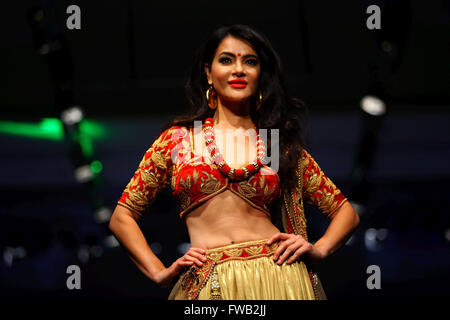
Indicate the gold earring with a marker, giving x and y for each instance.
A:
(211, 97)
(259, 101)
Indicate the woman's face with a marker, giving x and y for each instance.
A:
(234, 59)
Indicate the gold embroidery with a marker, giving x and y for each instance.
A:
(159, 160)
(267, 191)
(211, 184)
(247, 190)
(242, 251)
(216, 256)
(195, 176)
(236, 252)
(313, 182)
(261, 181)
(185, 201)
(186, 184)
(173, 181)
(254, 250)
(150, 179)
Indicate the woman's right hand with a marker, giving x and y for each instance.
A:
(167, 276)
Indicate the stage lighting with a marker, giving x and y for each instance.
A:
(102, 215)
(84, 174)
(72, 115)
(183, 247)
(156, 247)
(11, 254)
(373, 105)
(111, 242)
(447, 234)
(374, 237)
(359, 208)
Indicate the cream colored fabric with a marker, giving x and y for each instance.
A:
(257, 278)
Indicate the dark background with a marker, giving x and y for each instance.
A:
(126, 69)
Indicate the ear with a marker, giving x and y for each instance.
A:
(208, 73)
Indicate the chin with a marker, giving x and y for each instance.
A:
(236, 98)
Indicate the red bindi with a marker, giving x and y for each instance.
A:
(239, 54)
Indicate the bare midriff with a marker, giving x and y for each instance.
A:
(227, 219)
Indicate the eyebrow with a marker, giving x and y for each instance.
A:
(233, 55)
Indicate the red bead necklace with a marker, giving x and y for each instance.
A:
(237, 174)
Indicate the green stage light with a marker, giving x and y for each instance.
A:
(48, 128)
(96, 166)
(52, 129)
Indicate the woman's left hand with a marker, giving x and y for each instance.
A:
(292, 246)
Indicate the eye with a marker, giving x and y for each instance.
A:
(253, 62)
(224, 60)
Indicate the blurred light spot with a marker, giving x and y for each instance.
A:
(72, 115)
(102, 215)
(10, 254)
(373, 238)
(370, 239)
(96, 166)
(156, 247)
(350, 241)
(373, 105)
(382, 234)
(183, 247)
(83, 254)
(48, 128)
(359, 208)
(83, 174)
(111, 242)
(96, 251)
(44, 49)
(8, 257)
(447, 234)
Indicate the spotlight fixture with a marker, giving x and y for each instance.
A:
(72, 115)
(84, 174)
(373, 105)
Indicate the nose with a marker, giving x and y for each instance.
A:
(238, 68)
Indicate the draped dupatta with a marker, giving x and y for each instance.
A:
(314, 187)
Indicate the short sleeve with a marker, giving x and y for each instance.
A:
(318, 189)
(152, 175)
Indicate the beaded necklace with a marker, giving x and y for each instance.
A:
(237, 174)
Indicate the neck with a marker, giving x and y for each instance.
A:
(233, 115)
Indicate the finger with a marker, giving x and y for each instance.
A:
(282, 247)
(278, 236)
(197, 255)
(297, 254)
(180, 263)
(199, 250)
(195, 260)
(289, 250)
(186, 263)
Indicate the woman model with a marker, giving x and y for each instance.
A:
(230, 199)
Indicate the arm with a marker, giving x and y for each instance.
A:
(342, 225)
(123, 225)
(322, 193)
(152, 175)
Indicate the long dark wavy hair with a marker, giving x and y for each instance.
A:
(277, 110)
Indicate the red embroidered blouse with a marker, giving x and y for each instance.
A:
(172, 160)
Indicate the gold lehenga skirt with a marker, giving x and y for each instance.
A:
(245, 271)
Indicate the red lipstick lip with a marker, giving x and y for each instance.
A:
(237, 81)
(238, 85)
